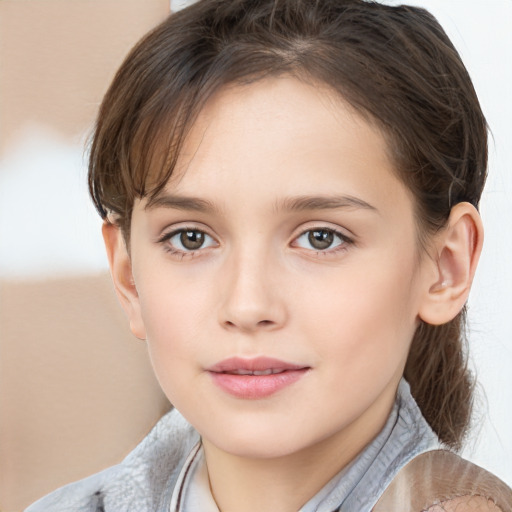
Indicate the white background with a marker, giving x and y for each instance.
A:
(48, 227)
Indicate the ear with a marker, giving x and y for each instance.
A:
(455, 256)
(122, 276)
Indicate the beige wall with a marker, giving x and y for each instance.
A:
(58, 56)
(76, 389)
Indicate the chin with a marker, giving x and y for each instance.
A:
(259, 440)
(258, 448)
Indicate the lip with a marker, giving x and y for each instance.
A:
(249, 386)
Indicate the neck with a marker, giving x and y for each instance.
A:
(248, 485)
(286, 483)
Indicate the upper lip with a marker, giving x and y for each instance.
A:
(258, 364)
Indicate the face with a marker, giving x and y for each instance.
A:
(277, 275)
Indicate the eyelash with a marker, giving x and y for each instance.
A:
(345, 241)
(164, 240)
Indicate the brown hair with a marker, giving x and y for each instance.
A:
(394, 65)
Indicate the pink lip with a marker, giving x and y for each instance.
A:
(255, 386)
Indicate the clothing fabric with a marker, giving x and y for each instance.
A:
(439, 480)
(166, 471)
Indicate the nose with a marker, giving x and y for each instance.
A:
(251, 299)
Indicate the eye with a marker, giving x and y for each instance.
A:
(188, 240)
(320, 239)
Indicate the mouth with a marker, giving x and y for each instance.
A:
(269, 371)
(255, 378)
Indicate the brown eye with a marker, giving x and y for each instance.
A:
(192, 239)
(187, 240)
(321, 238)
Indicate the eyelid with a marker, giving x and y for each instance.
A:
(346, 240)
(343, 232)
(171, 230)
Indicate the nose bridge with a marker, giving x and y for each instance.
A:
(250, 298)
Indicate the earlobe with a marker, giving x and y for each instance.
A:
(457, 250)
(122, 277)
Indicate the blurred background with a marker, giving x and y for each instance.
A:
(76, 390)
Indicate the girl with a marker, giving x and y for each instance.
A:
(290, 192)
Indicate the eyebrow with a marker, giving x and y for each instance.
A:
(180, 203)
(302, 203)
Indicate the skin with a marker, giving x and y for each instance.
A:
(258, 287)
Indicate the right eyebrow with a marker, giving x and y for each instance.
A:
(323, 203)
(180, 203)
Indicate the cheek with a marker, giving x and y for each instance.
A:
(174, 318)
(172, 300)
(367, 316)
(171, 341)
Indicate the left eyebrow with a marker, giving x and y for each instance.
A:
(180, 203)
(301, 203)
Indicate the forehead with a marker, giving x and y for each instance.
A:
(287, 134)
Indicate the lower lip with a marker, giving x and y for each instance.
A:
(253, 387)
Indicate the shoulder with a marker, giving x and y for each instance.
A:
(81, 496)
(441, 481)
(467, 504)
(140, 482)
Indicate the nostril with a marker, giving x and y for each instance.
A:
(249, 326)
